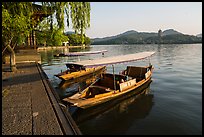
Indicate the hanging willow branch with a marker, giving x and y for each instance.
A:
(79, 12)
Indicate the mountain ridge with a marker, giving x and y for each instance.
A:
(135, 37)
(199, 35)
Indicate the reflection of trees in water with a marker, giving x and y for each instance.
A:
(47, 56)
(114, 112)
(82, 49)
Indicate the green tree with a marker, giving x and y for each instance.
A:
(17, 22)
(87, 41)
(16, 25)
(58, 37)
(75, 39)
(78, 11)
(52, 37)
(80, 14)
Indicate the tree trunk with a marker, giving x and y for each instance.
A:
(82, 34)
(3, 58)
(12, 58)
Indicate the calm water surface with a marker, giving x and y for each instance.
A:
(173, 104)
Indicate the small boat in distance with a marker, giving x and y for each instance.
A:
(113, 86)
(80, 53)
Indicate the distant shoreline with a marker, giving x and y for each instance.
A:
(58, 47)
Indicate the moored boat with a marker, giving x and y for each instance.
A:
(142, 104)
(88, 79)
(70, 54)
(112, 86)
(75, 71)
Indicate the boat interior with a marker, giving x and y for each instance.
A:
(71, 68)
(106, 83)
(75, 67)
(136, 72)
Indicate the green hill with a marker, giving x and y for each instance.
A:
(169, 36)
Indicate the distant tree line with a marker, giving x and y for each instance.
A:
(56, 37)
(148, 38)
(75, 40)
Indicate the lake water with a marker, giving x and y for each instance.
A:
(173, 105)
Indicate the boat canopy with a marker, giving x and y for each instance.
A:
(84, 53)
(115, 59)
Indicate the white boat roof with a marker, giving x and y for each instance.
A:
(84, 53)
(115, 59)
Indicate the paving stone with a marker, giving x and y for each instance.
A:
(26, 108)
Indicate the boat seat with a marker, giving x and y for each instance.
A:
(101, 87)
(136, 72)
(99, 90)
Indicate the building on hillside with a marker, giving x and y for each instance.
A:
(160, 35)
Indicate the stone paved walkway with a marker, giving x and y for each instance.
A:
(27, 108)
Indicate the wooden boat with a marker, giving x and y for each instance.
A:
(88, 79)
(80, 53)
(142, 104)
(75, 70)
(113, 86)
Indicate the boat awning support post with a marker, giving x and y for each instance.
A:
(149, 61)
(114, 79)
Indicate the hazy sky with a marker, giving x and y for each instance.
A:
(112, 18)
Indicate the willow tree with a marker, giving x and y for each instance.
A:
(16, 25)
(80, 14)
(56, 32)
(17, 21)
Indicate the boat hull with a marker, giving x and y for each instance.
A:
(115, 96)
(84, 100)
(90, 78)
(87, 71)
(143, 99)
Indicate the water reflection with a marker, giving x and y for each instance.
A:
(47, 56)
(135, 107)
(68, 88)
